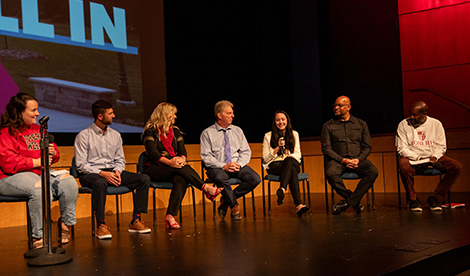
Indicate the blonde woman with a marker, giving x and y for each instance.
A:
(166, 159)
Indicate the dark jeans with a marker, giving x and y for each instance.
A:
(250, 179)
(180, 177)
(288, 170)
(449, 166)
(138, 182)
(365, 170)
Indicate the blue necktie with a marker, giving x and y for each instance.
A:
(228, 155)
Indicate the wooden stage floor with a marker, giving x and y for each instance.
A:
(283, 244)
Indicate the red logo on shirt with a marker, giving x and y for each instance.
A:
(422, 135)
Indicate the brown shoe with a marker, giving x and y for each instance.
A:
(103, 232)
(235, 214)
(139, 227)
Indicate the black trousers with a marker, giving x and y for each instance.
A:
(366, 171)
(137, 182)
(250, 179)
(180, 177)
(288, 170)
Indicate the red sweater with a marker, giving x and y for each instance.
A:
(18, 151)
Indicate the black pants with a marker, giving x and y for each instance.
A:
(288, 170)
(250, 179)
(138, 182)
(366, 171)
(180, 177)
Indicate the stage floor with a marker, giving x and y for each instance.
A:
(283, 244)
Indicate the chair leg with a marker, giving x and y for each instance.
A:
(448, 198)
(303, 187)
(244, 207)
(154, 210)
(181, 214)
(326, 197)
(92, 217)
(30, 230)
(117, 211)
(269, 198)
(332, 197)
(213, 210)
(194, 204)
(253, 203)
(264, 200)
(203, 207)
(368, 201)
(373, 198)
(308, 195)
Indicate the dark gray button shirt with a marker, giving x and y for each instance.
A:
(345, 139)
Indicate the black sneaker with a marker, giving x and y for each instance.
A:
(415, 206)
(434, 204)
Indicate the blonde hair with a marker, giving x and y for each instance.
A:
(161, 117)
(220, 106)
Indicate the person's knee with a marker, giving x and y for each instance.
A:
(145, 179)
(458, 166)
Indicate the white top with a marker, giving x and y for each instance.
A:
(423, 142)
(268, 156)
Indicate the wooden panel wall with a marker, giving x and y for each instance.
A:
(383, 156)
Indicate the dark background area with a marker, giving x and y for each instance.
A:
(292, 55)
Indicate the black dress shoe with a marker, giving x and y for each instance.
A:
(302, 211)
(359, 208)
(280, 196)
(222, 209)
(342, 206)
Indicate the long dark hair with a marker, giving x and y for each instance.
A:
(12, 116)
(276, 133)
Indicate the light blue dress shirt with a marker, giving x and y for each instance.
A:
(95, 151)
(213, 146)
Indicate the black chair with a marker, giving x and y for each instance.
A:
(347, 176)
(11, 199)
(163, 185)
(303, 176)
(232, 181)
(111, 190)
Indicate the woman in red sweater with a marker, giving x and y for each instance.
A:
(20, 167)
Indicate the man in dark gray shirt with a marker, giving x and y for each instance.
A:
(346, 144)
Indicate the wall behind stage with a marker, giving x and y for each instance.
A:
(434, 43)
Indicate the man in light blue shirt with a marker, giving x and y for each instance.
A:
(99, 157)
(226, 153)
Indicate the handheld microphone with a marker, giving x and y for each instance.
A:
(281, 137)
(44, 120)
(51, 138)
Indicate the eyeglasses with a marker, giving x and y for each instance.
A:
(339, 105)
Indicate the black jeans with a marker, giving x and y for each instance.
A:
(180, 177)
(138, 182)
(250, 179)
(365, 170)
(288, 170)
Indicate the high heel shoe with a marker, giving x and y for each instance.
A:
(63, 236)
(209, 196)
(174, 225)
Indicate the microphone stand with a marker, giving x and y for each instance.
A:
(47, 255)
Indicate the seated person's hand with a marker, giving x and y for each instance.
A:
(111, 177)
